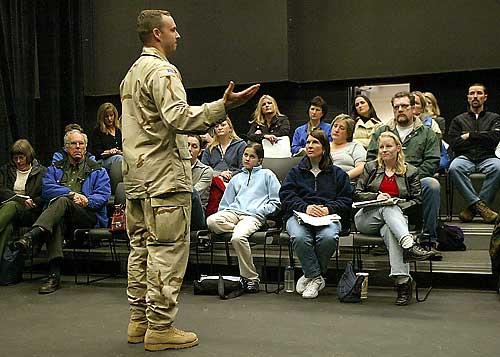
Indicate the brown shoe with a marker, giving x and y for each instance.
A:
(467, 215)
(171, 338)
(488, 215)
(136, 331)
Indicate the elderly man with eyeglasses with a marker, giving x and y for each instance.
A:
(76, 189)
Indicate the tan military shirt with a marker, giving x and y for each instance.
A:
(155, 114)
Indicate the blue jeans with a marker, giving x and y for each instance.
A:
(106, 163)
(391, 224)
(460, 169)
(313, 245)
(198, 221)
(431, 200)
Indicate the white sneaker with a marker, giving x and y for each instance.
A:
(302, 284)
(313, 288)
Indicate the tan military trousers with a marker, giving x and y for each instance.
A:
(158, 229)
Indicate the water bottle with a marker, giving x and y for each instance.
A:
(289, 279)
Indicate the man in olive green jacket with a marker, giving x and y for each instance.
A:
(421, 147)
(157, 177)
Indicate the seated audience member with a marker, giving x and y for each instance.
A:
(106, 138)
(389, 176)
(250, 197)
(61, 154)
(77, 190)
(473, 137)
(224, 153)
(202, 179)
(420, 111)
(317, 112)
(435, 112)
(316, 187)
(366, 120)
(268, 123)
(421, 147)
(346, 154)
(22, 175)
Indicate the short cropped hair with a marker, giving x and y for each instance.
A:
(66, 136)
(147, 21)
(402, 95)
(73, 126)
(319, 102)
(478, 85)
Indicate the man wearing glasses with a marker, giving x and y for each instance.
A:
(422, 149)
(77, 191)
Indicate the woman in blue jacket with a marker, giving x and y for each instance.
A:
(250, 197)
(316, 187)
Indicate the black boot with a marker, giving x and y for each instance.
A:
(26, 241)
(53, 282)
(405, 293)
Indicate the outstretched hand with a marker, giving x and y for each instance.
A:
(233, 100)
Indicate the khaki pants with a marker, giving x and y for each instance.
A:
(242, 226)
(158, 229)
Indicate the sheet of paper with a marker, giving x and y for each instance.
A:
(317, 221)
(281, 149)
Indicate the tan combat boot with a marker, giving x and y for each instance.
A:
(136, 331)
(488, 215)
(171, 338)
(467, 215)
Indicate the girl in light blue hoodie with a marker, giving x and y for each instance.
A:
(251, 196)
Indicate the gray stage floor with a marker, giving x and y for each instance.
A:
(92, 321)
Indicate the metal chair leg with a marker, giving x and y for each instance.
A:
(429, 288)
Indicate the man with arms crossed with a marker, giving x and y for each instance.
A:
(474, 136)
(157, 177)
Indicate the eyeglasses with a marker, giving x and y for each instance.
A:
(76, 143)
(402, 106)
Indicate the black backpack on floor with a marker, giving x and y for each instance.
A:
(11, 267)
(450, 238)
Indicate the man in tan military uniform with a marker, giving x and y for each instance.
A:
(157, 177)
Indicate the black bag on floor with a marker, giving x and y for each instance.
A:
(450, 238)
(349, 286)
(11, 267)
(226, 287)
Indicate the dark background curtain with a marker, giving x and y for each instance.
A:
(43, 36)
(17, 74)
(60, 72)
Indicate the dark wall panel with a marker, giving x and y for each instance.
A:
(245, 41)
(332, 40)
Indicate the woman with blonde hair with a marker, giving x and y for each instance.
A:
(106, 138)
(268, 123)
(422, 112)
(434, 111)
(389, 176)
(224, 154)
